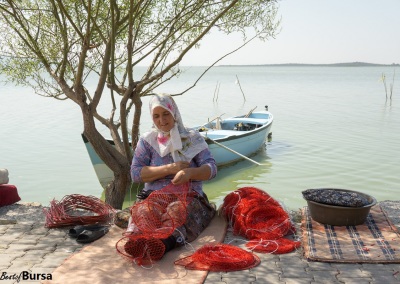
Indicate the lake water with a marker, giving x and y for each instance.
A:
(333, 127)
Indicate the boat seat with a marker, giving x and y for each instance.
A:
(216, 134)
(244, 120)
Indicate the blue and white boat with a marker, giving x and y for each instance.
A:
(236, 138)
(229, 140)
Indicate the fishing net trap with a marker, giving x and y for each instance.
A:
(78, 209)
(153, 220)
(254, 214)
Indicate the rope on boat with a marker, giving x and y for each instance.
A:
(233, 151)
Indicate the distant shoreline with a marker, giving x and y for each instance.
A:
(348, 64)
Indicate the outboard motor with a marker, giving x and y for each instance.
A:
(244, 126)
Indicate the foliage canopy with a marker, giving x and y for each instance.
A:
(55, 45)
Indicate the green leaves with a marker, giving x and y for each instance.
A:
(63, 35)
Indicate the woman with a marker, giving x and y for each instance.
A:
(172, 153)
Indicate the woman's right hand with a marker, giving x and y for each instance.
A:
(177, 166)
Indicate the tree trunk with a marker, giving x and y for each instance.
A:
(116, 190)
(117, 162)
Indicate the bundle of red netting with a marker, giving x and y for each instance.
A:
(152, 220)
(219, 258)
(255, 215)
(78, 209)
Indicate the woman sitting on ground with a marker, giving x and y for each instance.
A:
(172, 153)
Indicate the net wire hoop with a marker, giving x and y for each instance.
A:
(152, 220)
(77, 209)
(140, 249)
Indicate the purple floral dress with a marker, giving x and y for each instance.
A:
(145, 155)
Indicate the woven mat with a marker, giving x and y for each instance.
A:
(99, 262)
(375, 241)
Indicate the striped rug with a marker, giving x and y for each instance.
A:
(375, 241)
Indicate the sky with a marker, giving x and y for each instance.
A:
(316, 32)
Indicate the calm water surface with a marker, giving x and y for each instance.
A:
(333, 127)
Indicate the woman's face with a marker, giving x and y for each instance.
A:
(163, 119)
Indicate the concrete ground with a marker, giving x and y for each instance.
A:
(26, 245)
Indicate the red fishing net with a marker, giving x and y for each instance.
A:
(278, 246)
(140, 249)
(154, 219)
(78, 209)
(220, 257)
(255, 215)
(163, 211)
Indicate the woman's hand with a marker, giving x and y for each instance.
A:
(152, 173)
(187, 174)
(178, 166)
(181, 177)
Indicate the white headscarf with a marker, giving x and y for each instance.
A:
(181, 142)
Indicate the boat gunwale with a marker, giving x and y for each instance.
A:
(221, 139)
(240, 135)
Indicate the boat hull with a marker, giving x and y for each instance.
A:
(245, 145)
(245, 142)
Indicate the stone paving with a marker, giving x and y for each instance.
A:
(29, 246)
(294, 268)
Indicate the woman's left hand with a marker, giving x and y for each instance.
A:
(181, 177)
(185, 175)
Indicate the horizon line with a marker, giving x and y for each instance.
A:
(355, 63)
